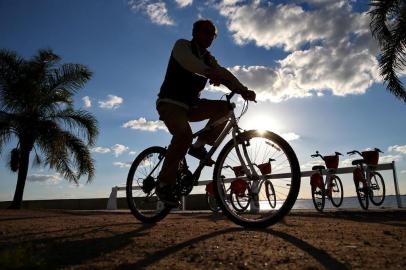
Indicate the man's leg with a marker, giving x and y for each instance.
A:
(212, 110)
(176, 120)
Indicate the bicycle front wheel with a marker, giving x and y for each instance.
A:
(140, 187)
(212, 202)
(318, 198)
(260, 148)
(362, 194)
(336, 192)
(377, 189)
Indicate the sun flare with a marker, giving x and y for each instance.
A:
(262, 122)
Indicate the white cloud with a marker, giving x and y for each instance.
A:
(403, 171)
(330, 48)
(122, 164)
(184, 3)
(101, 150)
(389, 158)
(87, 102)
(44, 178)
(112, 102)
(132, 153)
(142, 124)
(118, 149)
(397, 148)
(155, 10)
(290, 136)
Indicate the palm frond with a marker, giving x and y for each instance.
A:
(7, 128)
(378, 23)
(64, 151)
(68, 78)
(392, 57)
(79, 120)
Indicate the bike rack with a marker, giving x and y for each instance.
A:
(112, 202)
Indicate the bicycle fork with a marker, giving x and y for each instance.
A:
(249, 171)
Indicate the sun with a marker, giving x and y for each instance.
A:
(262, 122)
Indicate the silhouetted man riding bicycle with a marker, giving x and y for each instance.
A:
(190, 66)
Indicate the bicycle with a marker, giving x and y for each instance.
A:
(368, 182)
(248, 149)
(210, 198)
(332, 188)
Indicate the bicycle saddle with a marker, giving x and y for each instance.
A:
(319, 167)
(358, 162)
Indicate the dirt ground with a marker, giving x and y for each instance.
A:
(45, 239)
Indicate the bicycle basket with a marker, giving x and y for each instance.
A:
(209, 188)
(265, 168)
(316, 180)
(239, 187)
(238, 171)
(331, 162)
(371, 157)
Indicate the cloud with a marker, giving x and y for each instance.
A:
(112, 102)
(142, 124)
(118, 149)
(155, 10)
(329, 48)
(397, 148)
(389, 158)
(291, 136)
(87, 102)
(44, 178)
(184, 3)
(132, 153)
(101, 150)
(403, 171)
(122, 164)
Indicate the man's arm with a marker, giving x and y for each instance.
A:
(226, 77)
(182, 53)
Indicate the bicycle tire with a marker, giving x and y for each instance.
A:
(290, 187)
(318, 198)
(375, 185)
(237, 204)
(212, 203)
(338, 190)
(136, 203)
(270, 193)
(362, 194)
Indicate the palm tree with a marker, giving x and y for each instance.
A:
(36, 109)
(388, 26)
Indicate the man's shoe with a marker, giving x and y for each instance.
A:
(166, 194)
(200, 153)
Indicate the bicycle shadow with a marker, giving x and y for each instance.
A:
(319, 255)
(61, 252)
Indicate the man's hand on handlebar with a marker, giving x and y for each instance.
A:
(248, 95)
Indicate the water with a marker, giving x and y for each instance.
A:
(352, 202)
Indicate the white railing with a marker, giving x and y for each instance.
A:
(112, 202)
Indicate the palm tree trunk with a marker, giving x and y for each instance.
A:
(22, 177)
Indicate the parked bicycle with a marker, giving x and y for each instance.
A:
(211, 199)
(248, 149)
(332, 187)
(368, 182)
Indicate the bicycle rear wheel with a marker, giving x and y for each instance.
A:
(140, 187)
(337, 193)
(377, 189)
(261, 147)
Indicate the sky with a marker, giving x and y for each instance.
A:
(313, 65)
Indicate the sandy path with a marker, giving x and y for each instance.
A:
(308, 240)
